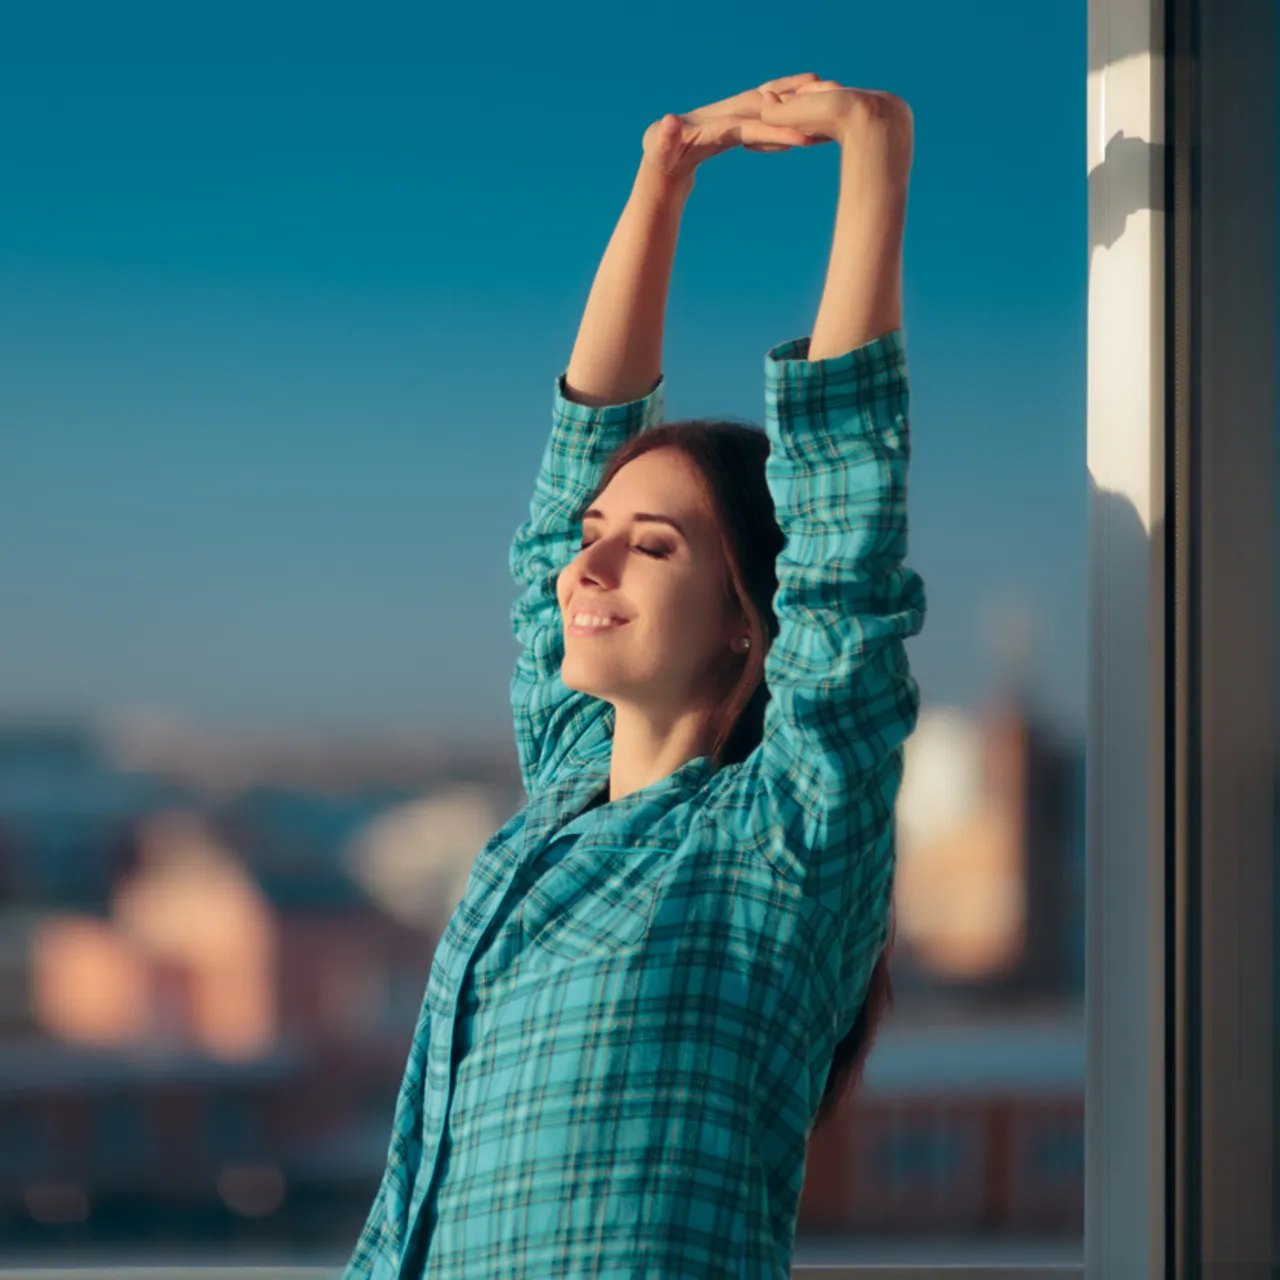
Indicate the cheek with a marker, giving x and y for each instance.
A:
(692, 611)
(564, 586)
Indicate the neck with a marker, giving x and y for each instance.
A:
(645, 749)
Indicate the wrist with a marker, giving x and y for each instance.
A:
(661, 188)
(879, 156)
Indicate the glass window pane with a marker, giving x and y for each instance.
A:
(281, 330)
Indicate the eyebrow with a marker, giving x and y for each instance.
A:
(645, 517)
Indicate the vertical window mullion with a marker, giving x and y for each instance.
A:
(1125, 1140)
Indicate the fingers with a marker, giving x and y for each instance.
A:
(748, 101)
(813, 113)
(785, 83)
(811, 140)
(755, 135)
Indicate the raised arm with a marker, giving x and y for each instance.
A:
(862, 298)
(617, 356)
(843, 700)
(611, 389)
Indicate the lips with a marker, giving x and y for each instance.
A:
(595, 629)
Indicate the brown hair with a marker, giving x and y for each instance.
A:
(729, 459)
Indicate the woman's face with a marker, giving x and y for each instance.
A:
(651, 557)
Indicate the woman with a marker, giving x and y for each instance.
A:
(662, 967)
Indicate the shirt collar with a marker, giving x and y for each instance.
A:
(561, 805)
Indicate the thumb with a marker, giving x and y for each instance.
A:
(661, 136)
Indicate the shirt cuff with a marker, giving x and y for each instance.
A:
(853, 389)
(877, 361)
(645, 411)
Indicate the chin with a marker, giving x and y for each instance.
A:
(595, 684)
(579, 681)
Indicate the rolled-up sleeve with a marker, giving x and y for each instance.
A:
(842, 696)
(548, 716)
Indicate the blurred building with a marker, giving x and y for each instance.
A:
(207, 996)
(64, 812)
(969, 1127)
(165, 908)
(989, 885)
(958, 1130)
(196, 949)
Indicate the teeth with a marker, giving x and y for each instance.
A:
(593, 620)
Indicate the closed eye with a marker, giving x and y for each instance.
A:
(658, 553)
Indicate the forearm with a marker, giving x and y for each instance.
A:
(618, 353)
(862, 298)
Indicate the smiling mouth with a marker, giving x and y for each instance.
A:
(595, 628)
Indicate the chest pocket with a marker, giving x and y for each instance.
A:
(594, 903)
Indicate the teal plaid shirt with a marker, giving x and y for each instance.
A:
(630, 1017)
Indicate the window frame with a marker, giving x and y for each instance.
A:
(1224, 491)
(1126, 871)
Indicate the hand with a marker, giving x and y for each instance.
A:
(855, 118)
(676, 145)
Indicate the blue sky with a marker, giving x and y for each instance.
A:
(284, 289)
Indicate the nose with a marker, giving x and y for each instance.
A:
(600, 562)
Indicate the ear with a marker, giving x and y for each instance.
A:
(739, 630)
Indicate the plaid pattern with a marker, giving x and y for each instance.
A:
(630, 1017)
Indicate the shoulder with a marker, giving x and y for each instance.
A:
(749, 814)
